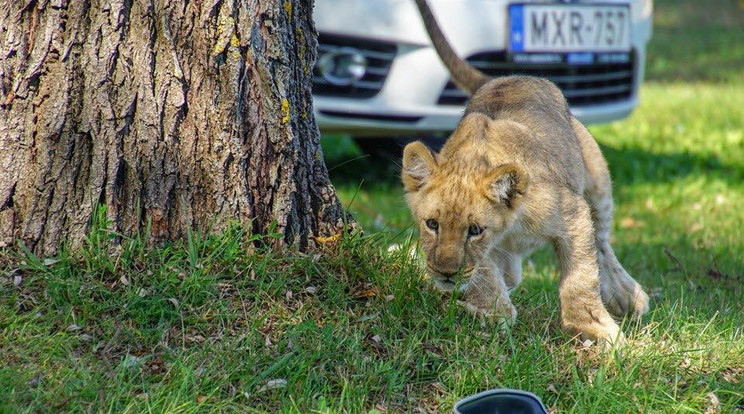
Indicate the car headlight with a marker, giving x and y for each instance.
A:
(343, 66)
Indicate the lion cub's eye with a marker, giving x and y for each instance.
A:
(475, 230)
(432, 224)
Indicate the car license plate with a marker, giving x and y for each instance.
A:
(566, 28)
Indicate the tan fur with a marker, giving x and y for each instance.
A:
(523, 169)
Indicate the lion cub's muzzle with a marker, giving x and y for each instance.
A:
(450, 278)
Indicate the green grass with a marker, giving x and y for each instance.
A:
(697, 41)
(208, 323)
(678, 169)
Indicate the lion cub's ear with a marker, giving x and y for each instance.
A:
(418, 164)
(506, 185)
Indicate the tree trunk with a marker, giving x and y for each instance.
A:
(180, 114)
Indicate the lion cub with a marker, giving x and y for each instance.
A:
(518, 171)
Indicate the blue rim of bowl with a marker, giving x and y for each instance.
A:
(487, 393)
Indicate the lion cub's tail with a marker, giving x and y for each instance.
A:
(465, 76)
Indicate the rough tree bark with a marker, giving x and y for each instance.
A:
(183, 114)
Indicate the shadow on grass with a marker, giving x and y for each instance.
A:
(682, 261)
(707, 279)
(627, 165)
(352, 170)
(634, 165)
(692, 42)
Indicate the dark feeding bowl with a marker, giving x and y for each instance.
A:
(502, 401)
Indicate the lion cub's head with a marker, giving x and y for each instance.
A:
(462, 200)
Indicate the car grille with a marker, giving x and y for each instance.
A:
(582, 85)
(379, 56)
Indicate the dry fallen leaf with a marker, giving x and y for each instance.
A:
(714, 405)
(432, 348)
(124, 281)
(439, 387)
(630, 223)
(194, 338)
(34, 382)
(367, 293)
(732, 375)
(273, 384)
(650, 204)
(130, 361)
(591, 373)
(328, 239)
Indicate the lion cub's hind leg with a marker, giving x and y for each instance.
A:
(582, 309)
(620, 292)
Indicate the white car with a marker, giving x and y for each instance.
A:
(378, 75)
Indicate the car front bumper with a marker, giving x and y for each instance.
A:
(408, 100)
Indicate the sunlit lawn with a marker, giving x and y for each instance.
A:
(212, 324)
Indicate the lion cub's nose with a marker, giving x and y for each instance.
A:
(448, 275)
(447, 261)
(448, 268)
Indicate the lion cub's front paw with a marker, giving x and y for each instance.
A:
(595, 327)
(502, 311)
